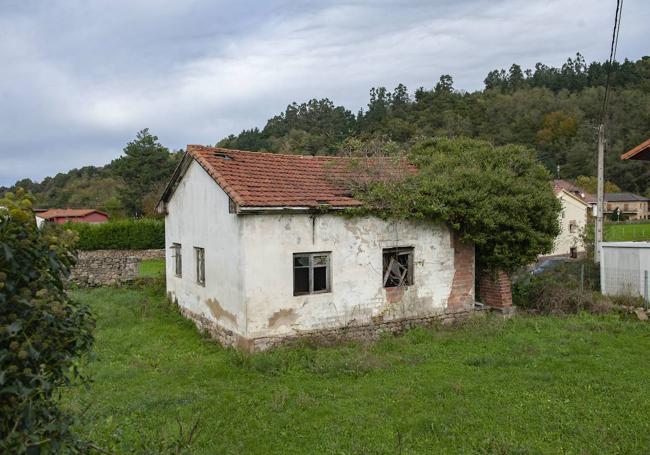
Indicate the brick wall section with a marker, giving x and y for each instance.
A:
(495, 289)
(110, 267)
(462, 287)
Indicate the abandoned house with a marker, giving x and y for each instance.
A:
(258, 251)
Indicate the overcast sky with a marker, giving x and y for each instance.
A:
(78, 79)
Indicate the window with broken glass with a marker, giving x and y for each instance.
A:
(200, 265)
(178, 259)
(397, 267)
(311, 273)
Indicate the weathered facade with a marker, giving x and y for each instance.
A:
(253, 275)
(573, 220)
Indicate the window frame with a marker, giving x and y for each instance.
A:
(199, 257)
(328, 272)
(178, 259)
(410, 274)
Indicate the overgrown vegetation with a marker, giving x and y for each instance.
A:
(567, 288)
(529, 385)
(43, 333)
(497, 197)
(131, 234)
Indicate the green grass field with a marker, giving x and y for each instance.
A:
(529, 385)
(627, 232)
(152, 268)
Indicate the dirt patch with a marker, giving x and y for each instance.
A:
(218, 312)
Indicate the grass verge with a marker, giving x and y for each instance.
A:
(577, 384)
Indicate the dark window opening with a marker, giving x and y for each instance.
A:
(311, 273)
(178, 259)
(200, 265)
(573, 252)
(397, 267)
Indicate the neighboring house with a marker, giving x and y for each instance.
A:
(573, 219)
(70, 215)
(256, 251)
(630, 206)
(588, 198)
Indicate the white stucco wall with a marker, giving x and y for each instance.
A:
(357, 293)
(198, 216)
(572, 210)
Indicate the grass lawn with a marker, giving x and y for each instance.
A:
(524, 386)
(627, 232)
(152, 268)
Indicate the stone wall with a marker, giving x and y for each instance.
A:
(358, 332)
(110, 267)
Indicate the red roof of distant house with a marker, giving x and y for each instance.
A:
(67, 213)
(640, 152)
(559, 185)
(256, 179)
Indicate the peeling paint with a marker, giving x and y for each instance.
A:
(218, 312)
(283, 317)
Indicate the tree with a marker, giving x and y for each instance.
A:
(43, 332)
(497, 197)
(590, 184)
(145, 164)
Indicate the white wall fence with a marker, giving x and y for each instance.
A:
(625, 269)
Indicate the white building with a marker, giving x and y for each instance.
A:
(573, 220)
(256, 251)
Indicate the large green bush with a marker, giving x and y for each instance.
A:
(499, 198)
(43, 333)
(120, 235)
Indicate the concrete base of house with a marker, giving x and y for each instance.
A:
(327, 337)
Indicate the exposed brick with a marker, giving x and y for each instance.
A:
(462, 287)
(495, 289)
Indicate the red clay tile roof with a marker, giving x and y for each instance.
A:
(640, 152)
(66, 213)
(256, 179)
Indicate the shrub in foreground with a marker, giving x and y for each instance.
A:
(120, 235)
(43, 333)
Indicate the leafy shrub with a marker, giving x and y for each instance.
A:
(120, 235)
(567, 288)
(43, 334)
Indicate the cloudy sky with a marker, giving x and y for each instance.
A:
(79, 78)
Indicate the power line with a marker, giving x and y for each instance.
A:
(612, 58)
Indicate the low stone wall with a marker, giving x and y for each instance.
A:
(110, 267)
(359, 332)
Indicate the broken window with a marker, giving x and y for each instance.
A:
(177, 258)
(200, 265)
(311, 273)
(397, 267)
(573, 226)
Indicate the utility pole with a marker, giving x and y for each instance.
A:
(601, 192)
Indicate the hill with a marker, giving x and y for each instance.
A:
(554, 110)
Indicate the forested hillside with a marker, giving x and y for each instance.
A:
(553, 110)
(129, 186)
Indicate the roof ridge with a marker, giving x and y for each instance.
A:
(292, 155)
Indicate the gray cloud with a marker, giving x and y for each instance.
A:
(80, 78)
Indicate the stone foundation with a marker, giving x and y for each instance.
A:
(326, 337)
(110, 267)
